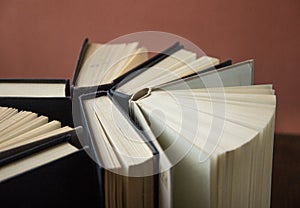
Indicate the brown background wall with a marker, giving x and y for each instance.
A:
(41, 38)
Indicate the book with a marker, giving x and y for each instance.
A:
(119, 188)
(63, 178)
(52, 163)
(183, 134)
(38, 153)
(36, 160)
(233, 169)
(24, 128)
(90, 60)
(36, 95)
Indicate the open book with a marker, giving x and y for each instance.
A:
(174, 132)
(23, 135)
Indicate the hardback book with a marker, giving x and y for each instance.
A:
(127, 58)
(53, 173)
(24, 141)
(48, 97)
(42, 163)
(178, 133)
(20, 128)
(86, 78)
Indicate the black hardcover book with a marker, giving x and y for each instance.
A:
(32, 95)
(90, 141)
(70, 180)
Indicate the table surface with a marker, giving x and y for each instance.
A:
(286, 171)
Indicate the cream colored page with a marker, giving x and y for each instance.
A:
(239, 74)
(189, 68)
(31, 134)
(105, 153)
(120, 61)
(46, 135)
(190, 182)
(165, 176)
(7, 113)
(131, 149)
(32, 90)
(138, 58)
(42, 120)
(104, 64)
(240, 114)
(17, 124)
(170, 63)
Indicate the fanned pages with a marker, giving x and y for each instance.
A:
(240, 74)
(180, 64)
(28, 141)
(20, 128)
(105, 62)
(242, 154)
(197, 124)
(165, 179)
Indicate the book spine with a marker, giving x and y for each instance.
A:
(79, 62)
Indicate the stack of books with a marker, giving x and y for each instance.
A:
(171, 130)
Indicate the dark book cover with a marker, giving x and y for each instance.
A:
(71, 181)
